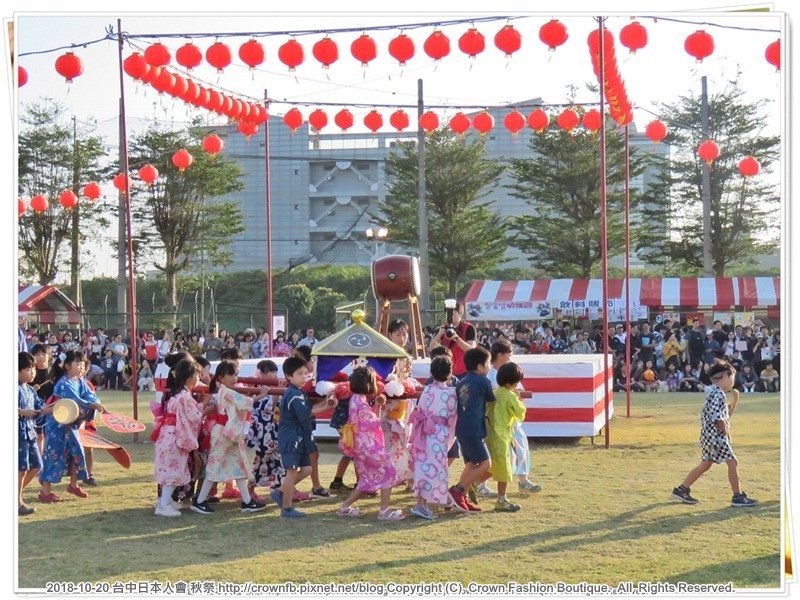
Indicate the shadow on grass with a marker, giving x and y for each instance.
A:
(754, 570)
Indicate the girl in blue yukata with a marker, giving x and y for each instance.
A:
(63, 452)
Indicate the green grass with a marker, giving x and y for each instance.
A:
(604, 516)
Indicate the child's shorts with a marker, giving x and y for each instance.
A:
(473, 449)
(454, 451)
(29, 455)
(295, 460)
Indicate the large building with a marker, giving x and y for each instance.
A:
(325, 189)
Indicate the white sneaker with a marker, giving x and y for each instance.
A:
(167, 511)
(485, 491)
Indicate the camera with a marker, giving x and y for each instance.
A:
(449, 332)
(449, 307)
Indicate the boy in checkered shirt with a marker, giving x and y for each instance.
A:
(715, 440)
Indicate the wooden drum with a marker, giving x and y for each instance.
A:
(396, 276)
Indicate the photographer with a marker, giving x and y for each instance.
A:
(459, 336)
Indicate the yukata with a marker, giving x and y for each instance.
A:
(62, 446)
(263, 436)
(395, 433)
(501, 414)
(372, 461)
(227, 457)
(178, 431)
(29, 455)
(433, 432)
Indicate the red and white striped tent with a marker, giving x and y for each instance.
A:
(526, 300)
(48, 304)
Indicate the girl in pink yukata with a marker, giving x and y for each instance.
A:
(434, 429)
(362, 440)
(176, 434)
(395, 413)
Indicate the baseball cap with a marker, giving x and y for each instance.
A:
(709, 332)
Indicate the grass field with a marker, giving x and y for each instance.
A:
(604, 516)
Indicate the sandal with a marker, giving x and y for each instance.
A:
(391, 515)
(77, 491)
(48, 498)
(350, 511)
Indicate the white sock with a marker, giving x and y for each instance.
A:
(205, 490)
(242, 485)
(501, 498)
(166, 495)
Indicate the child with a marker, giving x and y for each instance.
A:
(502, 414)
(434, 422)
(715, 437)
(317, 491)
(146, 381)
(176, 432)
(109, 365)
(43, 385)
(227, 458)
(295, 441)
(454, 451)
(263, 435)
(366, 447)
(473, 392)
(62, 447)
(89, 425)
(30, 458)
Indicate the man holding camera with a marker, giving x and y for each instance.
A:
(457, 335)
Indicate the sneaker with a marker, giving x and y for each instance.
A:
(167, 511)
(24, 510)
(459, 502)
(682, 493)
(202, 507)
(77, 491)
(529, 486)
(252, 506)
(320, 493)
(90, 481)
(340, 486)
(472, 507)
(506, 506)
(472, 494)
(741, 500)
(424, 512)
(486, 491)
(277, 497)
(291, 513)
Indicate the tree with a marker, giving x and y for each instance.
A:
(464, 232)
(181, 216)
(298, 301)
(323, 315)
(51, 159)
(561, 183)
(744, 213)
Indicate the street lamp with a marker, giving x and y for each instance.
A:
(378, 237)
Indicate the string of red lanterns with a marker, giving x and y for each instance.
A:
(620, 107)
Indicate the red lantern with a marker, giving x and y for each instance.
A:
(633, 36)
(437, 46)
(293, 119)
(364, 49)
(708, 151)
(22, 76)
(472, 42)
(252, 53)
(135, 66)
(148, 174)
(326, 51)
(179, 87)
(236, 109)
(203, 97)
(157, 55)
(218, 56)
(21, 207)
(68, 199)
(189, 56)
(164, 82)
(247, 129)
(459, 123)
(429, 121)
(749, 166)
(39, 203)
(120, 182)
(399, 120)
(592, 120)
(92, 191)
(343, 119)
(151, 75)
(69, 66)
(699, 44)
(226, 106)
(553, 33)
(182, 160)
(773, 54)
(514, 122)
(213, 144)
(656, 131)
(318, 119)
(214, 101)
(192, 93)
(538, 120)
(483, 122)
(373, 121)
(291, 54)
(508, 40)
(568, 120)
(402, 49)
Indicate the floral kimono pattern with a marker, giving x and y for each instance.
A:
(372, 462)
(227, 458)
(263, 436)
(395, 432)
(176, 439)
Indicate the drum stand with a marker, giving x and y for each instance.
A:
(385, 314)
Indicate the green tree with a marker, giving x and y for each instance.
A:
(182, 220)
(464, 232)
(51, 159)
(298, 300)
(744, 212)
(561, 184)
(323, 315)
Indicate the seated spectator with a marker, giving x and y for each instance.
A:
(539, 346)
(582, 343)
(648, 378)
(522, 343)
(770, 379)
(748, 380)
(146, 381)
(689, 383)
(559, 345)
(672, 378)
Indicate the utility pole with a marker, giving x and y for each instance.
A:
(122, 288)
(422, 213)
(706, 185)
(75, 268)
